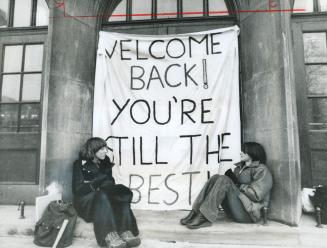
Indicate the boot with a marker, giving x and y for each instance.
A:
(198, 222)
(114, 241)
(188, 218)
(130, 239)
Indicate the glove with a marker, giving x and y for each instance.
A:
(232, 176)
(98, 181)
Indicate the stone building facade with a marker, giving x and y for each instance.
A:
(283, 71)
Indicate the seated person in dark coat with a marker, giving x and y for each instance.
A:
(99, 200)
(241, 193)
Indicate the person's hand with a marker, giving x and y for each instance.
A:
(243, 187)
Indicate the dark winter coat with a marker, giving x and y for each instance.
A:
(99, 200)
(89, 176)
(255, 185)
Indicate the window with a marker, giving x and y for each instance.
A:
(166, 9)
(217, 8)
(129, 10)
(192, 8)
(310, 6)
(315, 58)
(20, 88)
(4, 12)
(23, 13)
(140, 11)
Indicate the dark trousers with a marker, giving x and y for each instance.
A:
(109, 211)
(221, 190)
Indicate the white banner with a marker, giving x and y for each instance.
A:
(169, 107)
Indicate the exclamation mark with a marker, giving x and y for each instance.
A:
(205, 78)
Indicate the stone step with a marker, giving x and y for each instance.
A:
(164, 226)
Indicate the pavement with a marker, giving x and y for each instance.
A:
(161, 229)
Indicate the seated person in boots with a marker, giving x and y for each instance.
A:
(99, 200)
(241, 193)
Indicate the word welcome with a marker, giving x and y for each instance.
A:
(174, 48)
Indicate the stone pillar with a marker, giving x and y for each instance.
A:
(69, 81)
(268, 101)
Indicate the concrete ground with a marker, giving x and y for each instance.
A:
(161, 229)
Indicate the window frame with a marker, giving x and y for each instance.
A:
(315, 63)
(309, 96)
(11, 10)
(316, 11)
(21, 36)
(231, 6)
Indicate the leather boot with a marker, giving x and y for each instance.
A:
(188, 218)
(198, 222)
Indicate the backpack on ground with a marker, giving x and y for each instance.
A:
(48, 227)
(320, 200)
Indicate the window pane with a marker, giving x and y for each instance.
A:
(22, 13)
(42, 13)
(316, 77)
(33, 58)
(315, 47)
(167, 9)
(192, 6)
(307, 5)
(4, 10)
(318, 110)
(322, 5)
(10, 88)
(119, 13)
(13, 58)
(31, 87)
(218, 8)
(141, 7)
(8, 117)
(29, 117)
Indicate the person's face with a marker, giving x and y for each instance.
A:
(245, 157)
(101, 154)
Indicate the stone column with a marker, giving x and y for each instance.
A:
(268, 101)
(69, 81)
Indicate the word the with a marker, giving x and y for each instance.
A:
(136, 154)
